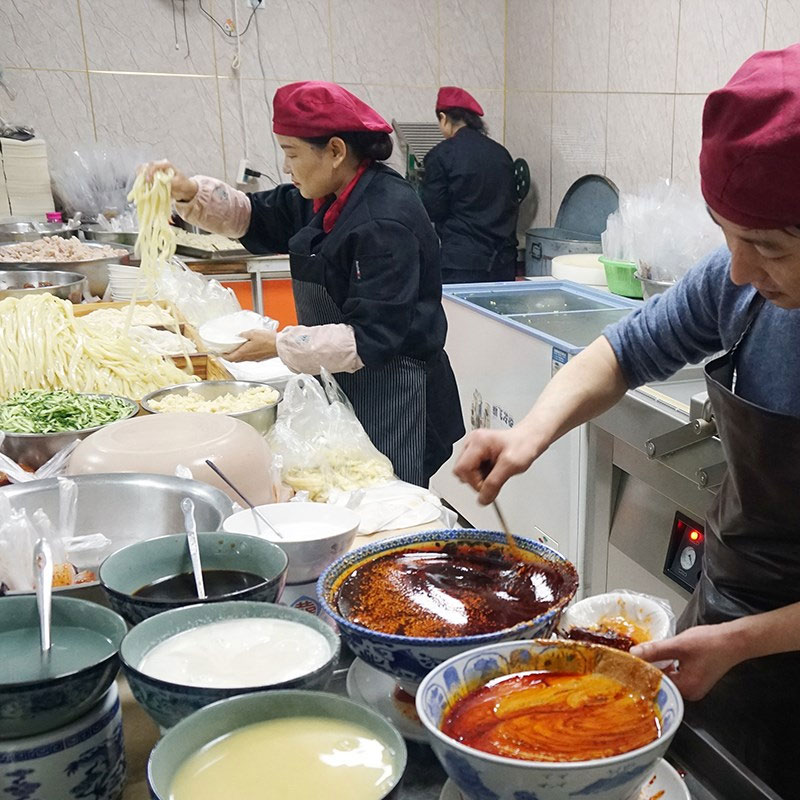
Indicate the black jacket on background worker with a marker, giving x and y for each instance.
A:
(469, 192)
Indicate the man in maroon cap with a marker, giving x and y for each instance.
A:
(365, 271)
(469, 192)
(740, 635)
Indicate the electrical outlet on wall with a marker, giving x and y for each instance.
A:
(254, 3)
(241, 177)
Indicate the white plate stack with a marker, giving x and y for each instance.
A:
(124, 280)
(27, 177)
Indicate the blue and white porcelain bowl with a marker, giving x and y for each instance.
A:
(483, 776)
(408, 658)
(167, 702)
(85, 759)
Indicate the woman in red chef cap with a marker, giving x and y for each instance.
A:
(740, 635)
(365, 271)
(469, 192)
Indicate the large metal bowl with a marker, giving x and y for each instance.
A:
(95, 270)
(66, 285)
(262, 419)
(651, 287)
(35, 449)
(110, 237)
(125, 507)
(30, 232)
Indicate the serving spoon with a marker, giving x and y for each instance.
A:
(187, 506)
(256, 513)
(43, 569)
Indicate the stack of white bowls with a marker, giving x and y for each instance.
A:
(124, 280)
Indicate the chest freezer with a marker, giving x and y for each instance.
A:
(505, 341)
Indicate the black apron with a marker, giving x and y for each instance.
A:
(751, 564)
(390, 402)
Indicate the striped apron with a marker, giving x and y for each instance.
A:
(390, 401)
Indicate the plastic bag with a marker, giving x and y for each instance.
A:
(54, 467)
(321, 442)
(664, 229)
(95, 180)
(394, 506)
(195, 296)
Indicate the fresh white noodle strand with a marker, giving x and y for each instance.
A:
(43, 345)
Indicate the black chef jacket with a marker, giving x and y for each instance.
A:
(382, 271)
(470, 195)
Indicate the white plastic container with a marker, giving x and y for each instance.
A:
(582, 268)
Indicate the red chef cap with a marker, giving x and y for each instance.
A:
(750, 159)
(317, 108)
(453, 97)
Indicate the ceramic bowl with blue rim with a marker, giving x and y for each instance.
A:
(39, 695)
(484, 776)
(83, 759)
(167, 702)
(229, 716)
(142, 564)
(409, 658)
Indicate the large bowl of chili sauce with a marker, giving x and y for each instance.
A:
(548, 719)
(406, 604)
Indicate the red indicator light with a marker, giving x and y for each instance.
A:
(695, 536)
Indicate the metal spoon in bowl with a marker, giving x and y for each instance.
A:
(187, 506)
(43, 569)
(256, 513)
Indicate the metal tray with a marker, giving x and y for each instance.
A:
(200, 252)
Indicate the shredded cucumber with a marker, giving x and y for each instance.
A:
(58, 411)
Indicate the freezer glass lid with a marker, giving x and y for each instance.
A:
(578, 330)
(532, 301)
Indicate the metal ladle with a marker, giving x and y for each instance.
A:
(187, 506)
(43, 568)
(256, 513)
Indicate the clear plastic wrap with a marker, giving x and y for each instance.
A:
(664, 229)
(94, 181)
(322, 444)
(196, 297)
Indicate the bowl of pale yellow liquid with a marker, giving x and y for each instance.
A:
(281, 744)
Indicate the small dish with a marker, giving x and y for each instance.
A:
(666, 784)
(376, 689)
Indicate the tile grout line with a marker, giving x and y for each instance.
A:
(86, 70)
(675, 94)
(330, 41)
(219, 93)
(608, 87)
(552, 98)
(766, 17)
(505, 69)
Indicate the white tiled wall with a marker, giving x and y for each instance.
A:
(136, 73)
(622, 83)
(574, 86)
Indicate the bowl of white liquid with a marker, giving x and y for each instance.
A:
(182, 660)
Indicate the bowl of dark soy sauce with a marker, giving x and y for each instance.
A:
(155, 575)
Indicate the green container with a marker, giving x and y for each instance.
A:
(620, 278)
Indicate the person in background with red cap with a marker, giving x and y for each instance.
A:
(738, 650)
(469, 191)
(365, 271)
